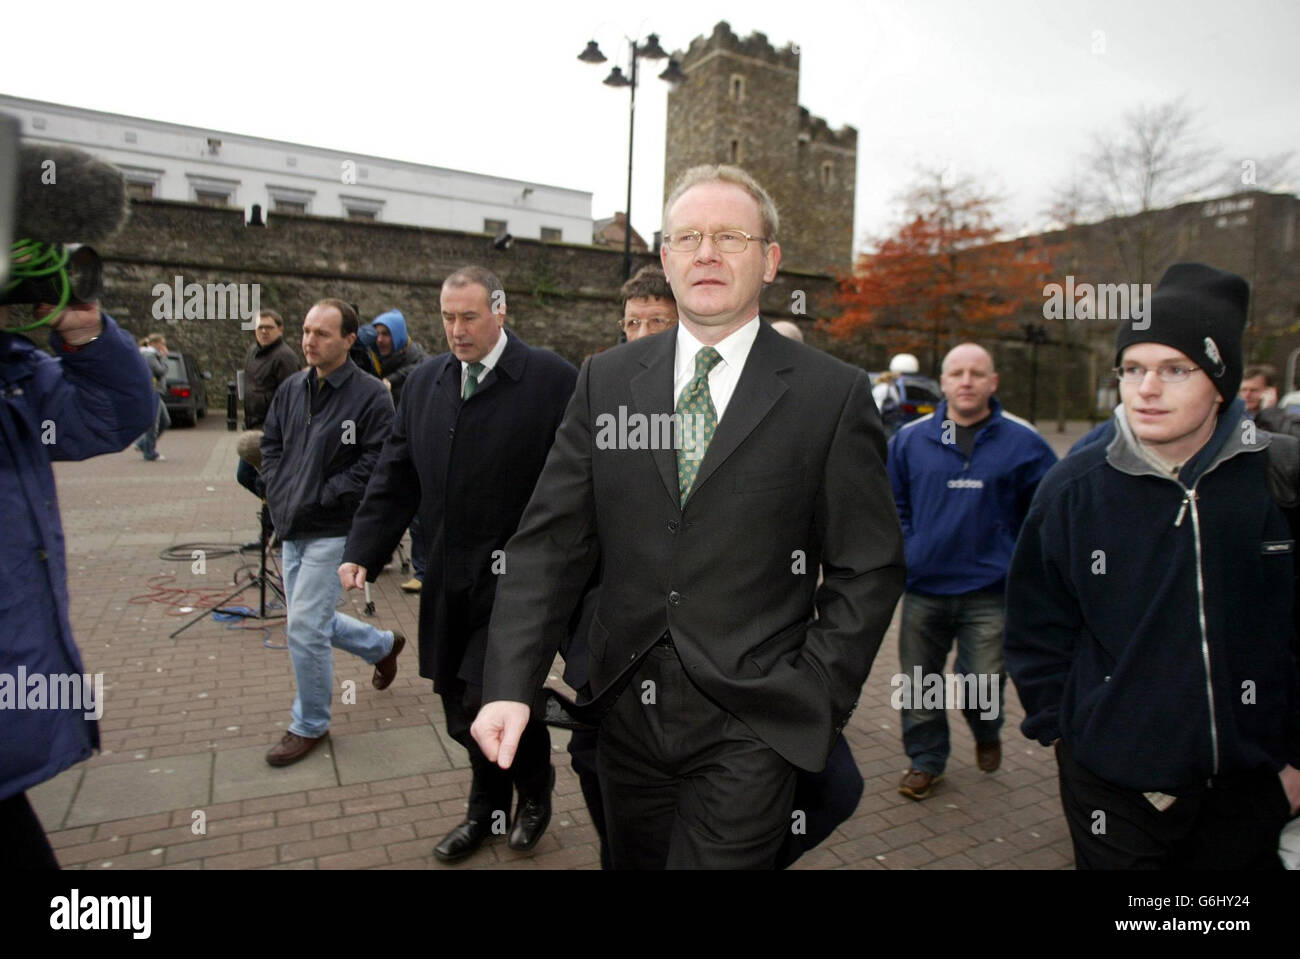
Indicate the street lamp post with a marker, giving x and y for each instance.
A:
(650, 50)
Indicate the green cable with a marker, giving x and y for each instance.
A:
(31, 259)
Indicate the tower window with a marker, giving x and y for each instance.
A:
(828, 173)
(737, 88)
(733, 151)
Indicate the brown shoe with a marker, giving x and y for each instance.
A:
(917, 783)
(412, 585)
(988, 756)
(386, 668)
(292, 748)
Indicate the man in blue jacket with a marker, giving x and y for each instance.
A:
(1150, 621)
(963, 479)
(94, 396)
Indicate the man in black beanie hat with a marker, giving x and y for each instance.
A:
(1149, 624)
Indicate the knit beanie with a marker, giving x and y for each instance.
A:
(1201, 312)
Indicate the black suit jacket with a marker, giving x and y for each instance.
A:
(469, 467)
(793, 480)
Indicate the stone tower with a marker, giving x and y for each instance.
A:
(740, 104)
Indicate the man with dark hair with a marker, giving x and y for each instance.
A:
(1150, 623)
(270, 361)
(648, 304)
(720, 662)
(323, 434)
(471, 436)
(1259, 393)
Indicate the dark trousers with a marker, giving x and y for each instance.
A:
(22, 837)
(1232, 823)
(685, 784)
(246, 476)
(491, 790)
(826, 798)
(582, 753)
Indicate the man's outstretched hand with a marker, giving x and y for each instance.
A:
(497, 730)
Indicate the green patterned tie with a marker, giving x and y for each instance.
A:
(471, 381)
(699, 420)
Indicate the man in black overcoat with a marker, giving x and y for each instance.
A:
(471, 437)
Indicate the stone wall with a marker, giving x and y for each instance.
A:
(560, 296)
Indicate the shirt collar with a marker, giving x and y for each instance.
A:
(338, 377)
(494, 355)
(734, 349)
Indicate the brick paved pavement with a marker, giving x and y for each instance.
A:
(187, 721)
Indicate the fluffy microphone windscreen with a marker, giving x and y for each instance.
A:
(249, 448)
(67, 196)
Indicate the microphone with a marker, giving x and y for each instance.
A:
(67, 196)
(249, 448)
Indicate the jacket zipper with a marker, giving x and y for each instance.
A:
(1189, 499)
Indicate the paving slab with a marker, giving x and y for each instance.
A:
(52, 798)
(123, 790)
(244, 774)
(389, 754)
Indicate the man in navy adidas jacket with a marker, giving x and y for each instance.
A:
(963, 480)
(1150, 629)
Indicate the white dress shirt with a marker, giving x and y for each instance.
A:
(725, 375)
(488, 362)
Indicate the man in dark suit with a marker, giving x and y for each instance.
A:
(471, 436)
(709, 588)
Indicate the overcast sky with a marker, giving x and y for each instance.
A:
(1010, 91)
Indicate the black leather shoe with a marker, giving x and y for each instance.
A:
(461, 841)
(531, 818)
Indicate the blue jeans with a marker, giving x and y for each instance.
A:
(930, 623)
(314, 626)
(417, 548)
(148, 443)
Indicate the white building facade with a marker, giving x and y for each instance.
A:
(170, 161)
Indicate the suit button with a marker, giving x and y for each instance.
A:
(675, 598)
(451, 432)
(672, 526)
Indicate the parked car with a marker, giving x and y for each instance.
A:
(185, 389)
(917, 396)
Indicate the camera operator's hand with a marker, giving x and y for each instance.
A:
(78, 324)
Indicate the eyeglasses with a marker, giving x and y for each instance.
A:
(266, 329)
(1169, 373)
(657, 324)
(727, 241)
